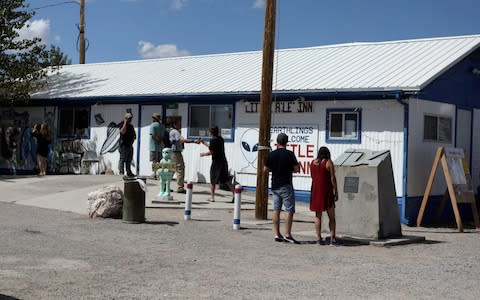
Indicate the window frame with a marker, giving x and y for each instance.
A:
(437, 134)
(74, 109)
(344, 139)
(211, 121)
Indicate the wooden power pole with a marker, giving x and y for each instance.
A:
(82, 32)
(261, 202)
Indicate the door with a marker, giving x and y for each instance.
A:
(464, 132)
(146, 112)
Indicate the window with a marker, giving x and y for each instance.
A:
(437, 129)
(343, 125)
(73, 122)
(202, 117)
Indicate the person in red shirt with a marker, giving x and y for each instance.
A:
(324, 193)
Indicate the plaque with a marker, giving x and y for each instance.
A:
(350, 185)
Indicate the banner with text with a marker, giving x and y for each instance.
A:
(302, 141)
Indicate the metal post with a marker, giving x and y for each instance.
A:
(237, 207)
(188, 202)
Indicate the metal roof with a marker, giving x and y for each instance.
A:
(380, 66)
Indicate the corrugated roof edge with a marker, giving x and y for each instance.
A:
(352, 44)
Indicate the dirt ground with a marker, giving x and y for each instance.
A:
(50, 254)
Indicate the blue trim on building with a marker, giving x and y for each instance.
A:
(220, 98)
(431, 211)
(458, 85)
(456, 126)
(471, 141)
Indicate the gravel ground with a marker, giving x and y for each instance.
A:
(50, 254)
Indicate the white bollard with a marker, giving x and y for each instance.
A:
(237, 207)
(188, 202)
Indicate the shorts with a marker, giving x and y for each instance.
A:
(156, 156)
(284, 196)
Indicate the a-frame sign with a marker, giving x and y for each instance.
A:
(459, 188)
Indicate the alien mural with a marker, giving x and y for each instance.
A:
(249, 147)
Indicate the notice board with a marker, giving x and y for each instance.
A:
(459, 184)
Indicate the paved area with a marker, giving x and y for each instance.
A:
(69, 193)
(50, 249)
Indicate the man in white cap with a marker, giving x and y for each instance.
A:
(157, 132)
(127, 137)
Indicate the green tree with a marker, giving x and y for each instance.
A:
(24, 63)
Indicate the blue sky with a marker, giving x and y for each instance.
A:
(119, 30)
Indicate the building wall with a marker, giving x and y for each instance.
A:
(104, 134)
(382, 129)
(421, 154)
(17, 145)
(476, 150)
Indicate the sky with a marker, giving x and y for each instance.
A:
(120, 30)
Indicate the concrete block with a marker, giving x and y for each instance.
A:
(367, 205)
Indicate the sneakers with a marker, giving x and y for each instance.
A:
(181, 191)
(320, 242)
(279, 238)
(334, 243)
(290, 240)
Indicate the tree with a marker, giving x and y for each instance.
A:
(24, 63)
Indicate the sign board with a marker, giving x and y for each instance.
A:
(459, 184)
(454, 158)
(302, 141)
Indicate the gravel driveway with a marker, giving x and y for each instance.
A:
(51, 254)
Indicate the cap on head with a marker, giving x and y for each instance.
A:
(156, 116)
(128, 116)
(282, 139)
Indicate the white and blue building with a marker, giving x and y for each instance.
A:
(408, 96)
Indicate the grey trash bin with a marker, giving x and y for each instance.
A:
(133, 201)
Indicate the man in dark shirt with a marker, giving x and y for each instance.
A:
(127, 137)
(219, 173)
(282, 163)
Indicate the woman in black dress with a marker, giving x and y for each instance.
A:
(219, 168)
(42, 133)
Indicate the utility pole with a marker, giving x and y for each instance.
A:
(265, 119)
(82, 32)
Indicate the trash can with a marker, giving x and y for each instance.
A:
(134, 200)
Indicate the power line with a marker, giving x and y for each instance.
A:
(55, 4)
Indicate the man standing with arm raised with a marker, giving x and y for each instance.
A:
(127, 137)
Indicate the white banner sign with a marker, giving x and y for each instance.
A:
(302, 141)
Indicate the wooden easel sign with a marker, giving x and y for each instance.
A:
(459, 184)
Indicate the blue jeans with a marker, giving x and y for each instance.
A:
(284, 195)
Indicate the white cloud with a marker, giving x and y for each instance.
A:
(37, 28)
(178, 4)
(149, 50)
(259, 4)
